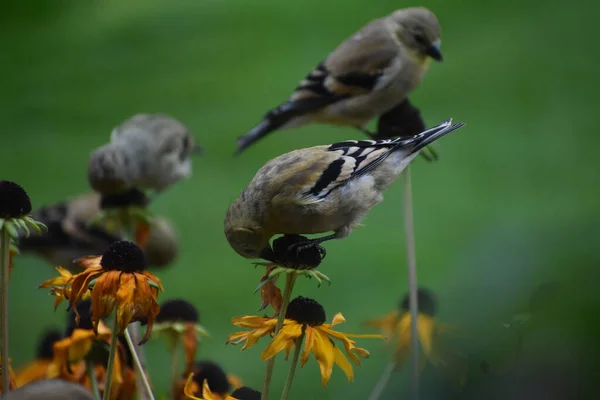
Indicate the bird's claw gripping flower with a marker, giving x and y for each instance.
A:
(298, 252)
(115, 281)
(304, 316)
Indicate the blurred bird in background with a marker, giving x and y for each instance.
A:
(147, 151)
(319, 189)
(366, 76)
(70, 235)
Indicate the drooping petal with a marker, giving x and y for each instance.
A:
(188, 389)
(387, 323)
(425, 329)
(309, 342)
(324, 353)
(88, 261)
(344, 364)
(104, 296)
(190, 344)
(254, 322)
(403, 340)
(288, 333)
(126, 300)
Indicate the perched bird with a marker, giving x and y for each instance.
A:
(70, 236)
(147, 151)
(319, 189)
(364, 77)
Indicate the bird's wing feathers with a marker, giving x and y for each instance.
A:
(345, 161)
(353, 68)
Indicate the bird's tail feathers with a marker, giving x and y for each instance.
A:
(258, 132)
(425, 138)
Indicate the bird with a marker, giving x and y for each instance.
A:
(319, 189)
(70, 235)
(147, 151)
(367, 75)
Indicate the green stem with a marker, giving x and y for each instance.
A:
(110, 367)
(409, 233)
(293, 364)
(138, 367)
(89, 366)
(287, 293)
(4, 307)
(134, 330)
(175, 366)
(383, 381)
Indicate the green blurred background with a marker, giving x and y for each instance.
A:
(513, 201)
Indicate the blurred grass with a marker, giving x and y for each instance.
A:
(512, 202)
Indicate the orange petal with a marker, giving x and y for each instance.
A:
(190, 344)
(288, 333)
(36, 370)
(88, 261)
(188, 388)
(103, 296)
(142, 234)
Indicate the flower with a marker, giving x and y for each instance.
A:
(178, 320)
(114, 280)
(396, 326)
(81, 346)
(213, 375)
(242, 393)
(38, 368)
(304, 316)
(14, 216)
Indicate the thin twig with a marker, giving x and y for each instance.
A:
(110, 367)
(287, 293)
(293, 365)
(89, 366)
(383, 381)
(409, 234)
(138, 367)
(134, 329)
(175, 365)
(4, 308)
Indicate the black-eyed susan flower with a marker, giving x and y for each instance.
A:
(242, 393)
(179, 322)
(117, 281)
(211, 374)
(83, 349)
(396, 327)
(38, 368)
(126, 211)
(306, 317)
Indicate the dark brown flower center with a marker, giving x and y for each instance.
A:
(306, 311)
(213, 374)
(245, 393)
(123, 256)
(132, 198)
(177, 310)
(426, 302)
(285, 250)
(14, 201)
(45, 350)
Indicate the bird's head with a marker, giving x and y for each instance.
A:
(244, 233)
(419, 30)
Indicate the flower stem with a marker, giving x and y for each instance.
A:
(383, 381)
(175, 365)
(293, 364)
(141, 376)
(89, 366)
(409, 233)
(138, 366)
(110, 367)
(287, 293)
(4, 307)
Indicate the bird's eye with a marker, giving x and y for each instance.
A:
(420, 38)
(183, 154)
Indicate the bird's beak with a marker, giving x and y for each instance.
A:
(434, 52)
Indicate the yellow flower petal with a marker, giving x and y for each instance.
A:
(425, 328)
(288, 333)
(337, 319)
(309, 342)
(252, 322)
(323, 351)
(188, 388)
(344, 364)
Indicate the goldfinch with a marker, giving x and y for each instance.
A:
(366, 76)
(319, 189)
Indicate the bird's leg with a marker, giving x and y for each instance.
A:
(300, 246)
